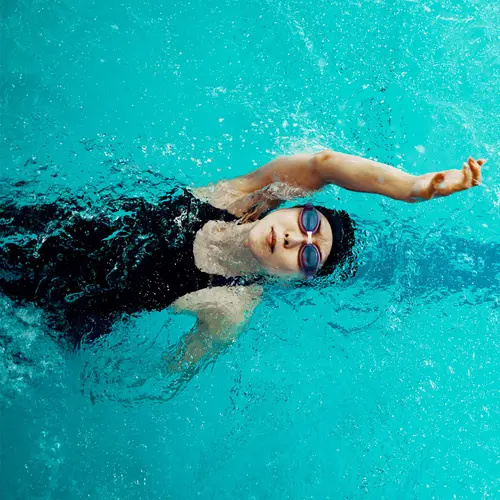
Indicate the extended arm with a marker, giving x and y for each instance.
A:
(310, 172)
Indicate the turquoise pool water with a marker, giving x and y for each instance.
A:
(386, 386)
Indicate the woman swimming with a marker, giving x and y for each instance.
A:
(204, 251)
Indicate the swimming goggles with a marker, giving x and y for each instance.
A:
(309, 254)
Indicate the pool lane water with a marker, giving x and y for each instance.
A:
(385, 386)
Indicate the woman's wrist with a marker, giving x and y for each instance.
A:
(422, 187)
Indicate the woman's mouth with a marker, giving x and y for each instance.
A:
(271, 239)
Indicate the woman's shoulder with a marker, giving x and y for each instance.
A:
(221, 195)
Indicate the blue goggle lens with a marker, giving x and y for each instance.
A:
(309, 218)
(310, 259)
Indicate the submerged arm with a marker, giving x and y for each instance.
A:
(221, 313)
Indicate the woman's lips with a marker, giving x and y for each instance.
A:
(271, 239)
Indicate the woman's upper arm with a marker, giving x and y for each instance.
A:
(298, 171)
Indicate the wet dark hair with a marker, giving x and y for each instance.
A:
(343, 239)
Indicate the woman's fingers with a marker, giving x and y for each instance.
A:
(475, 168)
(466, 169)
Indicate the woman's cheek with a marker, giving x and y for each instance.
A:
(287, 263)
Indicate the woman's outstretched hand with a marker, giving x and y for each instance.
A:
(451, 181)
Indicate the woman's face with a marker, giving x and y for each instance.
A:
(276, 239)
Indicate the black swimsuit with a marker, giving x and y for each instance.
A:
(86, 269)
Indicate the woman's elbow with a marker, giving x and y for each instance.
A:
(325, 166)
(324, 157)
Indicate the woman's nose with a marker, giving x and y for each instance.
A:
(294, 239)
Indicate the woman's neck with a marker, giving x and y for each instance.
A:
(219, 248)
